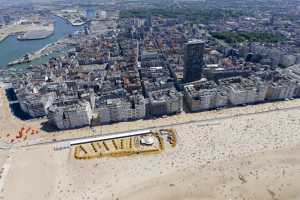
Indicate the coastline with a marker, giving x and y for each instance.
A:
(5, 37)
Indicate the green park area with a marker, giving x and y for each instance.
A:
(239, 37)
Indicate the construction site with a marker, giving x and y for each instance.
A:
(147, 143)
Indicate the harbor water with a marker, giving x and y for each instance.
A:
(11, 48)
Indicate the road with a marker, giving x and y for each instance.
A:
(206, 122)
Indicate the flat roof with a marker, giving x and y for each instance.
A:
(195, 41)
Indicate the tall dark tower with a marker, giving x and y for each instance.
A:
(193, 61)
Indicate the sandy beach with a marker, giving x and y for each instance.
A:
(244, 157)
